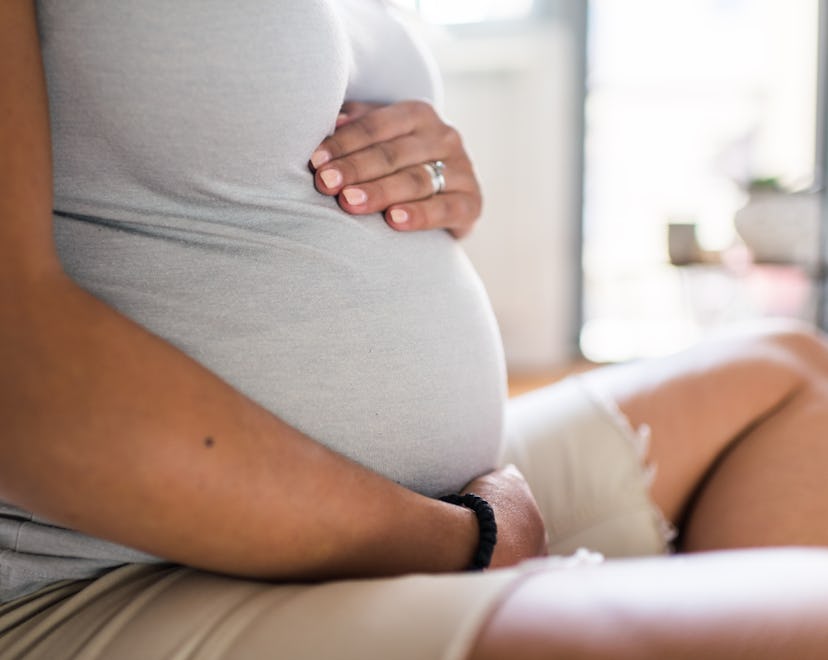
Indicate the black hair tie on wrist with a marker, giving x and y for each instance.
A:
(486, 523)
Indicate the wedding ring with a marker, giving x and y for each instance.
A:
(435, 170)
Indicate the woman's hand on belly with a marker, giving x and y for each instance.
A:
(520, 531)
(377, 161)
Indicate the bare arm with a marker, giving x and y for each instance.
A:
(108, 429)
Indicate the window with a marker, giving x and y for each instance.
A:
(688, 102)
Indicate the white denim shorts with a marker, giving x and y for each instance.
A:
(585, 466)
(582, 461)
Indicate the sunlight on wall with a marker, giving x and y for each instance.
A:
(511, 90)
(469, 11)
(472, 11)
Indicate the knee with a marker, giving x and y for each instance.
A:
(799, 346)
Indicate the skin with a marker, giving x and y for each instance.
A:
(758, 604)
(83, 389)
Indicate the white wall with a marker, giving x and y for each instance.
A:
(513, 96)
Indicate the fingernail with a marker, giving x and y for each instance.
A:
(355, 196)
(341, 118)
(320, 157)
(331, 178)
(398, 216)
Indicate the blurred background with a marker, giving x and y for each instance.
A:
(652, 169)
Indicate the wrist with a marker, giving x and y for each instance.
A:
(486, 526)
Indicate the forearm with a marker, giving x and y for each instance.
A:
(115, 433)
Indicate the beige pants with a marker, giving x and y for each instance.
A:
(581, 460)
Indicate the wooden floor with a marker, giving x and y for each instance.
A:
(523, 382)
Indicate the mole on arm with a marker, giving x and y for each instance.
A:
(209, 442)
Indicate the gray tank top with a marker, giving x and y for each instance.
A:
(181, 136)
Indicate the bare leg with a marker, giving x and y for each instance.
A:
(739, 437)
(758, 604)
(740, 440)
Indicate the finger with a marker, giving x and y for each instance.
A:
(374, 162)
(408, 185)
(350, 111)
(377, 125)
(456, 212)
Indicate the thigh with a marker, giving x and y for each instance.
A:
(769, 488)
(761, 605)
(140, 612)
(698, 402)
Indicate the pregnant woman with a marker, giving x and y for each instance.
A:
(243, 358)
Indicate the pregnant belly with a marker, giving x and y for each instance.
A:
(378, 344)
